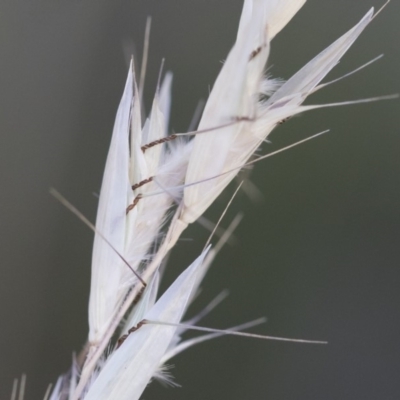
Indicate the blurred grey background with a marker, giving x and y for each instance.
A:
(319, 256)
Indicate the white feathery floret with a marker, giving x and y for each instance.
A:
(231, 147)
(130, 368)
(133, 225)
(107, 267)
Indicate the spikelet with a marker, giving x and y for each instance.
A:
(131, 225)
(236, 94)
(131, 367)
(147, 173)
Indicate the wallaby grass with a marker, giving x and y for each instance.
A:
(301, 189)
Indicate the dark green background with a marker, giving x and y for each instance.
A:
(319, 257)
